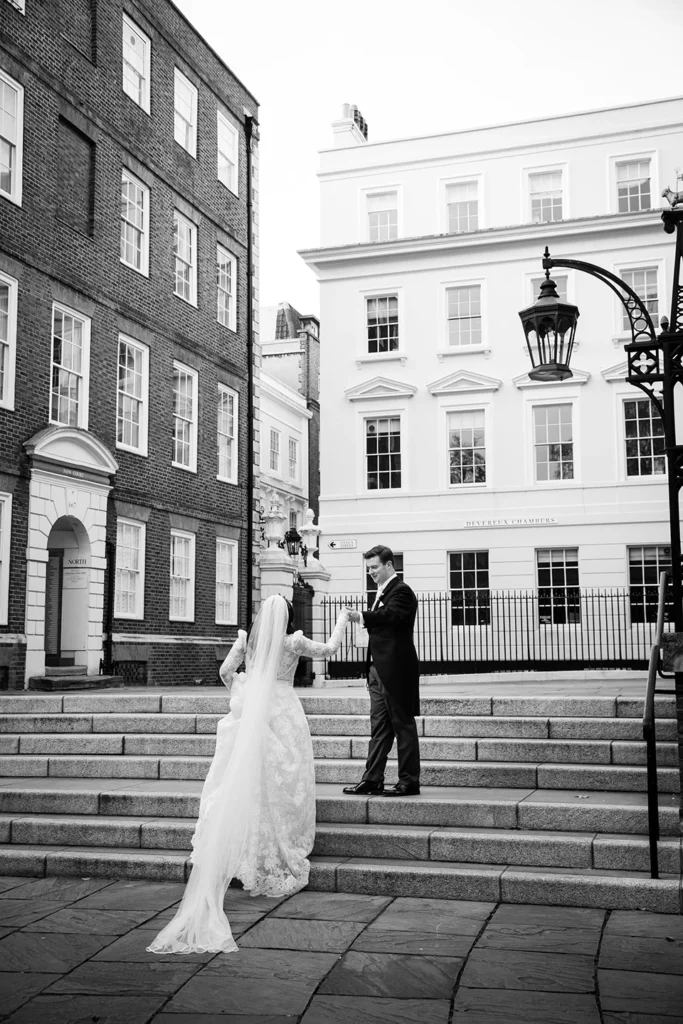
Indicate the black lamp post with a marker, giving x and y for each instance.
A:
(655, 365)
(294, 545)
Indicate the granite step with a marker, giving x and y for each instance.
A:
(351, 726)
(404, 842)
(589, 752)
(620, 778)
(584, 887)
(524, 809)
(206, 701)
(343, 771)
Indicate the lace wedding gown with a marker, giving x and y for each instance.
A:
(256, 817)
(282, 828)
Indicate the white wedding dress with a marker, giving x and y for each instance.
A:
(256, 818)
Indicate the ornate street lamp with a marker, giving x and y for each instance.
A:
(293, 542)
(549, 328)
(655, 365)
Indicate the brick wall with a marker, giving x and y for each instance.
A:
(75, 106)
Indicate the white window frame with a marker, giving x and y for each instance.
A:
(141, 449)
(364, 223)
(446, 347)
(470, 485)
(231, 619)
(382, 415)
(144, 102)
(180, 220)
(293, 446)
(139, 611)
(622, 267)
(223, 389)
(277, 451)
(446, 184)
(192, 538)
(388, 294)
(225, 129)
(83, 398)
(637, 477)
(194, 421)
(5, 546)
(548, 403)
(179, 79)
(15, 193)
(655, 187)
(144, 231)
(10, 343)
(227, 256)
(527, 174)
(362, 353)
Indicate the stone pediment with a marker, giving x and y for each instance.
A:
(578, 377)
(380, 387)
(72, 448)
(463, 382)
(617, 373)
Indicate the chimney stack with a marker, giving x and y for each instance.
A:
(351, 129)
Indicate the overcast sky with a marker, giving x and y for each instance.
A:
(414, 69)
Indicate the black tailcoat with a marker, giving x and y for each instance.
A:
(391, 648)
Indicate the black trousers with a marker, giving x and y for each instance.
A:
(389, 720)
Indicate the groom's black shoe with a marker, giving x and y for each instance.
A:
(403, 789)
(365, 788)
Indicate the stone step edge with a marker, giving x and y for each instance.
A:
(496, 883)
(346, 762)
(361, 828)
(339, 738)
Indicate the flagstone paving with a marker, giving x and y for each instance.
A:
(74, 950)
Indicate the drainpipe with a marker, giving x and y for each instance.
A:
(249, 130)
(106, 662)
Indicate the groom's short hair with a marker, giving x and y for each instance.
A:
(382, 552)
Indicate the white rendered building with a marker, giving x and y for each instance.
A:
(284, 416)
(433, 438)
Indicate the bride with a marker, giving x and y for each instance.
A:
(257, 811)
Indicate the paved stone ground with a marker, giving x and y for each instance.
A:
(72, 951)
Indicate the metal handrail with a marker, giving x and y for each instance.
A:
(649, 733)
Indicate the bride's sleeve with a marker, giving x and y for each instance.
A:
(234, 659)
(310, 649)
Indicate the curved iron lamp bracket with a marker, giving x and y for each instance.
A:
(639, 318)
(644, 354)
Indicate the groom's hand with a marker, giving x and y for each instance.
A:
(354, 616)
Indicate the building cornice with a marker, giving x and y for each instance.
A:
(491, 237)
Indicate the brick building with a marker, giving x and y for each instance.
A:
(125, 344)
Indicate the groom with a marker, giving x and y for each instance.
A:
(393, 679)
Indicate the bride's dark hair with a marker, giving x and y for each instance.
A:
(290, 616)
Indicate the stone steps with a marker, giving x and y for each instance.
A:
(519, 809)
(521, 795)
(537, 848)
(622, 778)
(583, 887)
(573, 751)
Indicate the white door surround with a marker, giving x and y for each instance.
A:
(69, 488)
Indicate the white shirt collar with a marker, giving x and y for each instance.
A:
(386, 583)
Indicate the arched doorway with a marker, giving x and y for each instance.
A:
(67, 589)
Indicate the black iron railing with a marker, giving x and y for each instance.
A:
(513, 630)
(650, 731)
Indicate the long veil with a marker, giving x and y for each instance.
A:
(200, 925)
